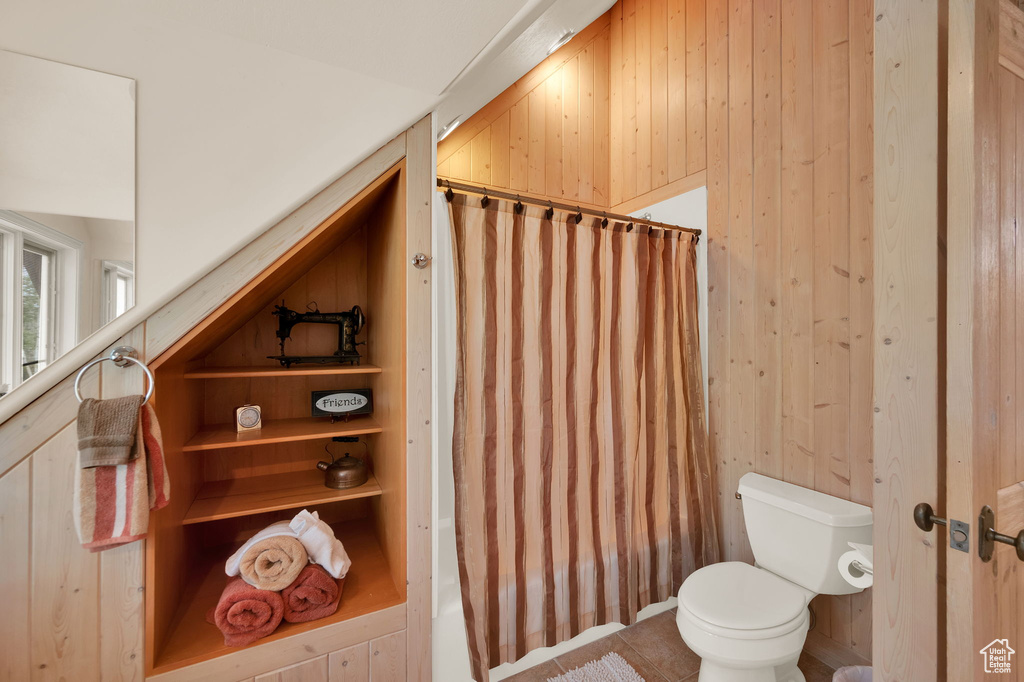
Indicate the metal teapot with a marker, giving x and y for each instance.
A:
(347, 472)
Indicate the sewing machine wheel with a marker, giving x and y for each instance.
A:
(360, 318)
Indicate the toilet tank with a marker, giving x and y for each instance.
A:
(799, 534)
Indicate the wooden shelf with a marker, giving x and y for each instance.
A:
(245, 496)
(368, 588)
(279, 431)
(276, 371)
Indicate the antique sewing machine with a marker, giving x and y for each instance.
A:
(349, 324)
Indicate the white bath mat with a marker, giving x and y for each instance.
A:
(608, 668)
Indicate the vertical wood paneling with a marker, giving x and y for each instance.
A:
(500, 151)
(768, 238)
(537, 145)
(15, 538)
(602, 111)
(589, 159)
(677, 53)
(629, 88)
(65, 610)
(789, 153)
(642, 93)
(462, 164)
(350, 665)
(659, 94)
(740, 420)
(387, 658)
(719, 263)
(122, 569)
(906, 336)
(696, 93)
(570, 152)
(553, 135)
(480, 157)
(861, 283)
(797, 234)
(617, 121)
(519, 144)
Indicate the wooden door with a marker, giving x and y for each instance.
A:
(985, 333)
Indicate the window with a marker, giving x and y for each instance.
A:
(37, 309)
(38, 297)
(118, 289)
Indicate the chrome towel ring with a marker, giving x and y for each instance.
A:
(120, 356)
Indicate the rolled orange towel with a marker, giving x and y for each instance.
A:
(314, 594)
(245, 614)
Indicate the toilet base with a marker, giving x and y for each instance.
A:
(710, 671)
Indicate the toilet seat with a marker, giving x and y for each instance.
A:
(738, 601)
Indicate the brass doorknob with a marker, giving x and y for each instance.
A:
(925, 518)
(989, 536)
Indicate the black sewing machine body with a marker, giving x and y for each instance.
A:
(349, 324)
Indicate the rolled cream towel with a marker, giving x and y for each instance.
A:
(245, 614)
(321, 545)
(273, 563)
(274, 529)
(314, 594)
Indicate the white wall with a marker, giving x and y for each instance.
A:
(68, 139)
(232, 135)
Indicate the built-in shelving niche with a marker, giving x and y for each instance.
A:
(225, 486)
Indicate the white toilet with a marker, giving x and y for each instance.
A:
(748, 623)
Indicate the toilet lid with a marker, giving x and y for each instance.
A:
(740, 597)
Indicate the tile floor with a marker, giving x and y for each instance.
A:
(655, 650)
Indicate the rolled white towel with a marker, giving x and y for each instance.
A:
(279, 528)
(321, 545)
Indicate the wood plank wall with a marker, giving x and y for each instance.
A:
(790, 150)
(770, 104)
(545, 135)
(657, 98)
(70, 614)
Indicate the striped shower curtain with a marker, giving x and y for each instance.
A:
(584, 488)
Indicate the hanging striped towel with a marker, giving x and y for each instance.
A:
(112, 503)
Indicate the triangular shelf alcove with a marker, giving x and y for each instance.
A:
(228, 485)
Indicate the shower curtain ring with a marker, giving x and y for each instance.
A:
(448, 193)
(550, 213)
(579, 215)
(518, 205)
(485, 200)
(604, 220)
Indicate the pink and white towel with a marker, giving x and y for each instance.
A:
(112, 503)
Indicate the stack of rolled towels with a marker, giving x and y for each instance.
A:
(291, 570)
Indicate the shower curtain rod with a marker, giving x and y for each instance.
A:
(536, 201)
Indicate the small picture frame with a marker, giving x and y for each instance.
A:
(342, 403)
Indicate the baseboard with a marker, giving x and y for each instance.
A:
(831, 652)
